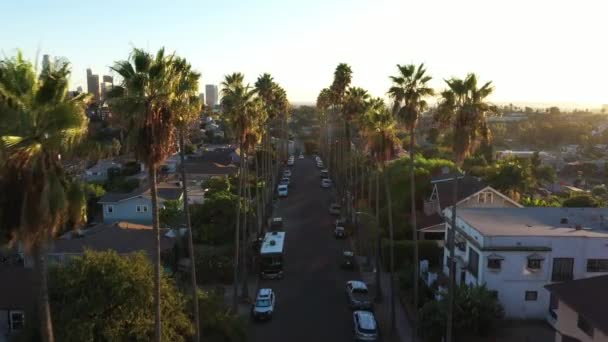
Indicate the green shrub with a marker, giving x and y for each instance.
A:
(189, 148)
(130, 168)
(214, 264)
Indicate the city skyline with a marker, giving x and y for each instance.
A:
(546, 52)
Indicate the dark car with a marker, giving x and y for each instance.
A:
(358, 295)
(348, 260)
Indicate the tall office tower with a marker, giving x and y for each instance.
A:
(93, 85)
(211, 95)
(108, 79)
(46, 60)
(106, 84)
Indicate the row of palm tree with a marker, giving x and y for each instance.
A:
(40, 125)
(462, 106)
(252, 113)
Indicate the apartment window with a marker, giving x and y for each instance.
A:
(535, 262)
(597, 265)
(110, 209)
(473, 262)
(17, 319)
(584, 325)
(562, 269)
(494, 264)
(531, 296)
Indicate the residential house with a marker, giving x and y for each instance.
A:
(17, 299)
(136, 206)
(212, 163)
(99, 172)
(577, 310)
(517, 251)
(471, 193)
(121, 237)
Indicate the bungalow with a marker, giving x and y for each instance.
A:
(122, 237)
(212, 163)
(17, 298)
(99, 172)
(136, 206)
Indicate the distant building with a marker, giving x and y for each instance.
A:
(93, 85)
(46, 60)
(108, 79)
(211, 95)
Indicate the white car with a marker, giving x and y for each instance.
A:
(365, 326)
(282, 190)
(287, 173)
(301, 156)
(285, 180)
(324, 173)
(358, 295)
(326, 183)
(290, 162)
(264, 304)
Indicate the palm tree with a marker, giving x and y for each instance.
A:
(323, 104)
(464, 104)
(187, 106)
(408, 92)
(342, 79)
(39, 124)
(144, 96)
(237, 100)
(379, 126)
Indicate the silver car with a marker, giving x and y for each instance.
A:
(365, 326)
(263, 307)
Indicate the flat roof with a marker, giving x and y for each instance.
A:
(537, 221)
(273, 243)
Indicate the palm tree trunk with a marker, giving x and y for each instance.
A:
(44, 307)
(259, 207)
(378, 238)
(414, 233)
(197, 332)
(452, 265)
(235, 280)
(245, 240)
(157, 265)
(387, 190)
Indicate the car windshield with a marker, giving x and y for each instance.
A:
(360, 290)
(262, 303)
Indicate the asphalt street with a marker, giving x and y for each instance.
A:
(311, 302)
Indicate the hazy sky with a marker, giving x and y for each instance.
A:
(533, 50)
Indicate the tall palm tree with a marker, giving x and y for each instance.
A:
(409, 91)
(266, 89)
(342, 79)
(237, 100)
(187, 106)
(379, 126)
(144, 96)
(465, 105)
(323, 104)
(39, 124)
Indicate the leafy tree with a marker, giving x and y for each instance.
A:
(599, 191)
(105, 296)
(210, 220)
(531, 202)
(39, 125)
(512, 176)
(217, 184)
(218, 323)
(582, 201)
(554, 110)
(477, 313)
(171, 213)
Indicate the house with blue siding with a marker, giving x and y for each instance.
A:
(136, 206)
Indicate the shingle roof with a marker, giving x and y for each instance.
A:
(537, 221)
(467, 186)
(121, 237)
(587, 297)
(216, 162)
(165, 192)
(17, 288)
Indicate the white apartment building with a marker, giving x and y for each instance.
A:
(517, 251)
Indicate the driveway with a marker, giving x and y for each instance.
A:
(311, 302)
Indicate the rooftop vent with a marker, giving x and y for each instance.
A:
(564, 220)
(272, 242)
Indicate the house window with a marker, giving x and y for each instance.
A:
(531, 296)
(486, 197)
(494, 264)
(597, 265)
(17, 319)
(534, 262)
(144, 208)
(562, 269)
(110, 209)
(473, 262)
(138, 208)
(584, 325)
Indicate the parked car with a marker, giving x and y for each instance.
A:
(301, 156)
(320, 164)
(324, 173)
(365, 326)
(358, 295)
(335, 209)
(348, 260)
(290, 162)
(287, 173)
(340, 221)
(339, 232)
(326, 183)
(263, 307)
(286, 181)
(282, 190)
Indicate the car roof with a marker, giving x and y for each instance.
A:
(277, 219)
(357, 284)
(282, 186)
(348, 253)
(339, 228)
(366, 319)
(264, 292)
